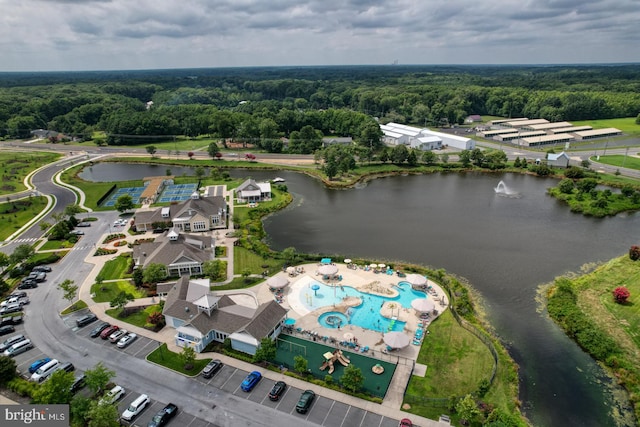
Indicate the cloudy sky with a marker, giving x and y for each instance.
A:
(40, 35)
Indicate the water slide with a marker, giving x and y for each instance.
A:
(342, 359)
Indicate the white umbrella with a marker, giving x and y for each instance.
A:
(396, 339)
(277, 282)
(348, 336)
(416, 279)
(347, 261)
(423, 305)
(327, 270)
(373, 265)
(382, 265)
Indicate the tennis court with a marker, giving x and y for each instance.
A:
(134, 192)
(177, 193)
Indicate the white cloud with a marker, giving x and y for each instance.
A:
(121, 34)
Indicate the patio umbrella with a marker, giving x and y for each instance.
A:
(396, 339)
(347, 260)
(416, 279)
(277, 282)
(328, 270)
(291, 270)
(373, 265)
(315, 288)
(348, 336)
(423, 305)
(382, 265)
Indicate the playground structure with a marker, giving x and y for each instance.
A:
(330, 358)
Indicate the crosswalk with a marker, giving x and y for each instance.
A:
(26, 240)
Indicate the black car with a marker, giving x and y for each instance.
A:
(28, 284)
(20, 294)
(67, 367)
(98, 329)
(85, 320)
(7, 329)
(78, 383)
(11, 320)
(163, 416)
(277, 390)
(304, 403)
(211, 368)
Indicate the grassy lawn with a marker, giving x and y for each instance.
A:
(13, 215)
(244, 259)
(627, 125)
(115, 268)
(44, 255)
(15, 166)
(78, 305)
(238, 283)
(56, 244)
(163, 356)
(137, 319)
(106, 292)
(621, 161)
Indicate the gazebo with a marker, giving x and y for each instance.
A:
(416, 280)
(396, 339)
(423, 305)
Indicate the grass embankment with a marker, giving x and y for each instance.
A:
(106, 292)
(138, 318)
(15, 214)
(627, 125)
(167, 358)
(584, 307)
(76, 306)
(56, 244)
(15, 166)
(116, 267)
(629, 162)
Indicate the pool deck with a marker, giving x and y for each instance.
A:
(364, 281)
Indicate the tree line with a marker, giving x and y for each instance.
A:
(265, 104)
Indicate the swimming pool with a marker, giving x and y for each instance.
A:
(367, 314)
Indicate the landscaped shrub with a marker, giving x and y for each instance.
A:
(112, 237)
(621, 294)
(103, 251)
(634, 253)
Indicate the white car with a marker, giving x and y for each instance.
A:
(115, 337)
(112, 396)
(127, 339)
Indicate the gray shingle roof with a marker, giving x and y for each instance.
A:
(165, 251)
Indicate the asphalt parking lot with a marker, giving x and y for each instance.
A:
(323, 411)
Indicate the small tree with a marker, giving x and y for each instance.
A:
(352, 379)
(124, 203)
(300, 364)
(289, 254)
(102, 416)
(98, 377)
(151, 149)
(121, 300)
(200, 172)
(56, 390)
(188, 357)
(621, 294)
(154, 273)
(191, 154)
(245, 274)
(138, 277)
(634, 253)
(467, 409)
(21, 253)
(266, 351)
(213, 150)
(7, 369)
(69, 290)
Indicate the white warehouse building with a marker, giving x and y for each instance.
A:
(422, 138)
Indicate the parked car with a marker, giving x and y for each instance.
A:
(44, 268)
(212, 367)
(98, 329)
(43, 372)
(38, 276)
(28, 284)
(112, 396)
(277, 390)
(250, 381)
(7, 329)
(78, 382)
(18, 348)
(85, 320)
(37, 364)
(66, 366)
(11, 320)
(163, 416)
(108, 331)
(18, 294)
(304, 403)
(10, 308)
(127, 339)
(405, 422)
(116, 335)
(136, 407)
(83, 224)
(77, 232)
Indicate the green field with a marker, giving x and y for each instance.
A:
(627, 125)
(15, 166)
(628, 161)
(116, 267)
(106, 292)
(13, 215)
(136, 319)
(165, 357)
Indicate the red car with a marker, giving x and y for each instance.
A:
(405, 422)
(111, 329)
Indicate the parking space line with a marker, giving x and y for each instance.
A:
(333, 402)
(228, 378)
(345, 415)
(142, 349)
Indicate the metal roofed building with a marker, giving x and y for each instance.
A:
(597, 133)
(547, 139)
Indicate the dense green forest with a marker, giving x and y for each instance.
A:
(304, 103)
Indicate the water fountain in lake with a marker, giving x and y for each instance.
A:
(502, 190)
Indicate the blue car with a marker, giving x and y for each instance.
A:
(250, 382)
(35, 365)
